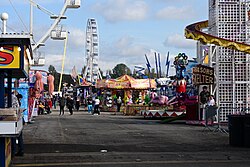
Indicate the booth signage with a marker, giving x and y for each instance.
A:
(203, 75)
(117, 85)
(9, 57)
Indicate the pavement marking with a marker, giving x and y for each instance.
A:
(131, 162)
(61, 129)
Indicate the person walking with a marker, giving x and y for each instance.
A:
(54, 101)
(96, 107)
(70, 104)
(90, 104)
(118, 104)
(77, 103)
(62, 102)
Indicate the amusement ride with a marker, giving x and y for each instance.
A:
(226, 36)
(92, 72)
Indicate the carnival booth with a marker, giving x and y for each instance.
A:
(83, 90)
(15, 55)
(131, 90)
(202, 76)
(38, 94)
(172, 100)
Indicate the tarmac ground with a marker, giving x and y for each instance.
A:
(112, 140)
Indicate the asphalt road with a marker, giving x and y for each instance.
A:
(111, 140)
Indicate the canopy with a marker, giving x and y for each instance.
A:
(126, 82)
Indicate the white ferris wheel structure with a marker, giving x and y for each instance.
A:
(56, 31)
(92, 72)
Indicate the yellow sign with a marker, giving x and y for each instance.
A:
(10, 57)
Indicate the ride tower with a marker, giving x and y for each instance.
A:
(92, 72)
(229, 19)
(226, 39)
(225, 46)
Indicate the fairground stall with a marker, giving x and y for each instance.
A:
(41, 88)
(171, 103)
(132, 92)
(15, 54)
(83, 90)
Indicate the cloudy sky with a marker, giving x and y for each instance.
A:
(128, 29)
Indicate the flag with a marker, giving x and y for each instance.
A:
(159, 64)
(147, 64)
(167, 64)
(73, 73)
(80, 80)
(156, 65)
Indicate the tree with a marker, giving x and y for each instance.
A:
(52, 69)
(119, 70)
(65, 77)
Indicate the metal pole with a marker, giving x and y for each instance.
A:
(31, 19)
(234, 84)
(4, 26)
(2, 90)
(159, 64)
(63, 60)
(156, 65)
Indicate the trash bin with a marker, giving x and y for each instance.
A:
(247, 131)
(236, 130)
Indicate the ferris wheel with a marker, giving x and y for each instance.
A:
(92, 72)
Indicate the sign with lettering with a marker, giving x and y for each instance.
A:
(202, 75)
(10, 57)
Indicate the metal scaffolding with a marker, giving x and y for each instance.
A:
(229, 19)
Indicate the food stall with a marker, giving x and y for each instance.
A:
(15, 55)
(126, 86)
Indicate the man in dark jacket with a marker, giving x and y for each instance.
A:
(70, 104)
(62, 102)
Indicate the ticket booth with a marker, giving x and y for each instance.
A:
(15, 55)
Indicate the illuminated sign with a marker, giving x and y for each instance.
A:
(203, 75)
(9, 57)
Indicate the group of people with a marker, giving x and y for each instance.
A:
(208, 105)
(44, 106)
(68, 102)
(93, 103)
(206, 98)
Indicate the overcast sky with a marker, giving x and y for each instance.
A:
(128, 29)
